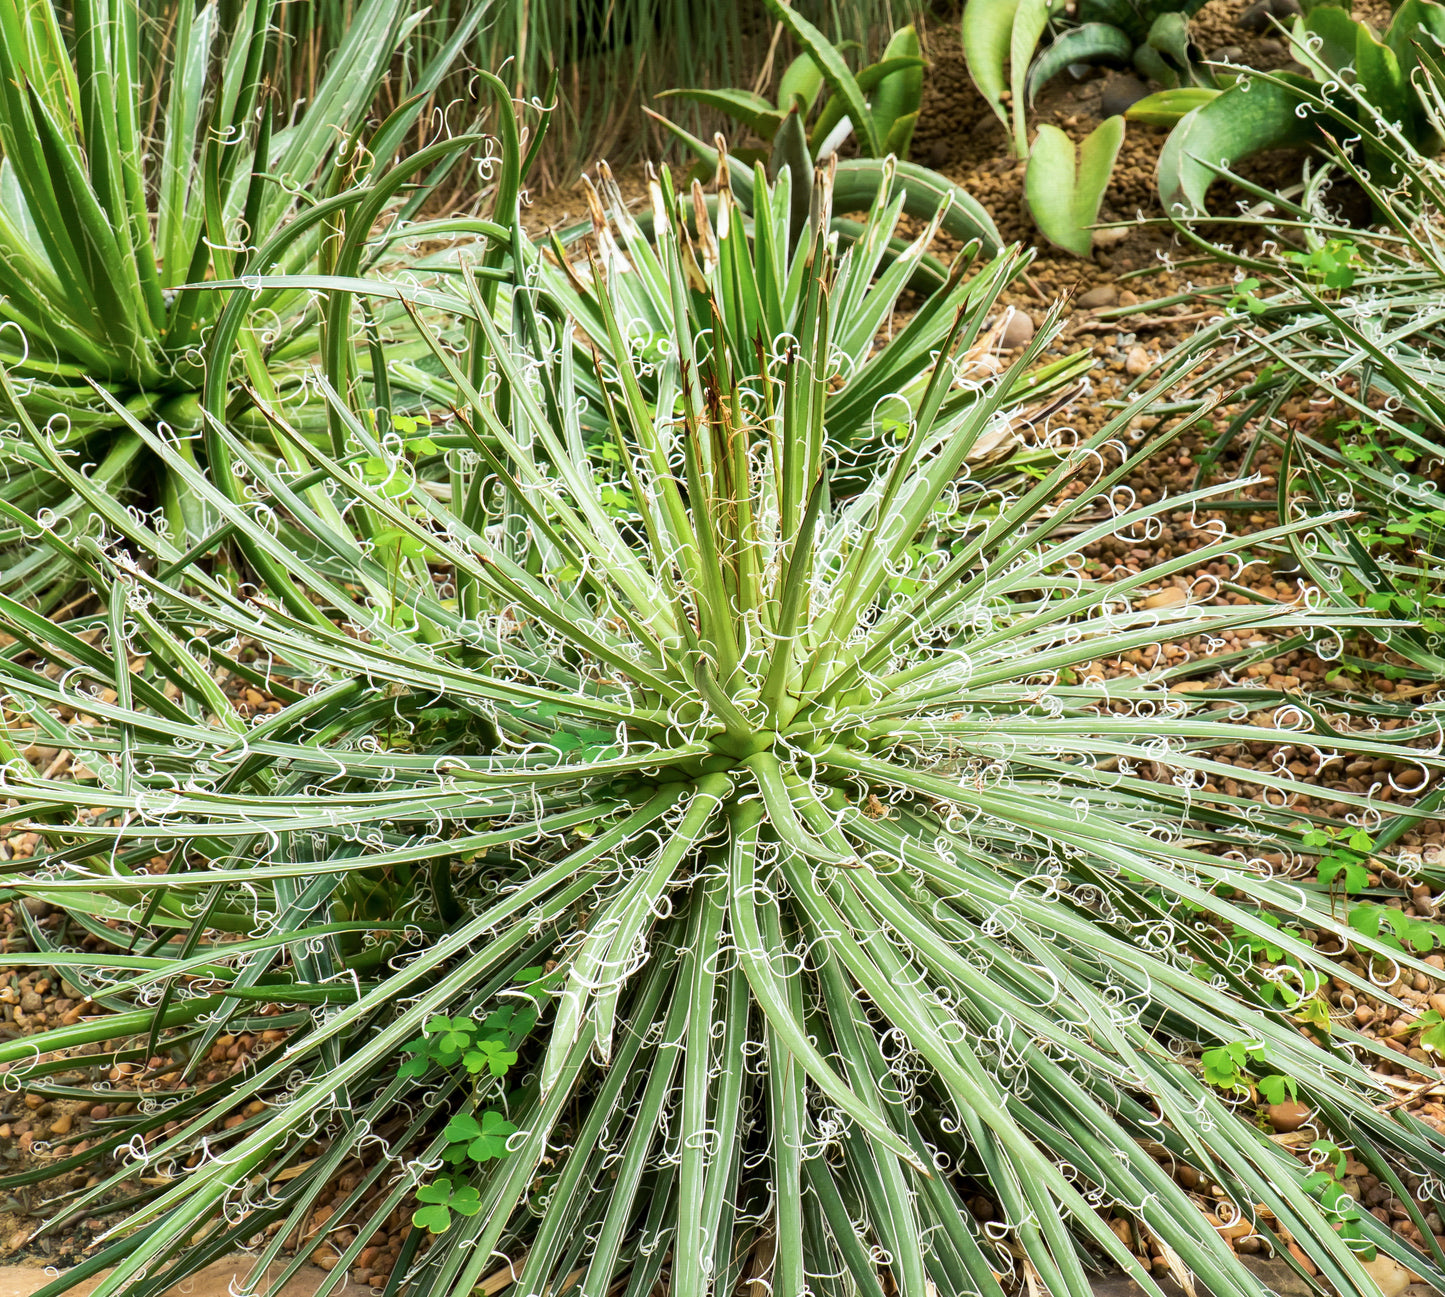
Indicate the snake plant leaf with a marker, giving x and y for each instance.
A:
(858, 183)
(987, 29)
(900, 135)
(1385, 85)
(1415, 35)
(1414, 20)
(1064, 191)
(1250, 116)
(1153, 66)
(1090, 43)
(1324, 41)
(834, 71)
(800, 83)
(1168, 107)
(1028, 26)
(1123, 14)
(752, 110)
(1169, 35)
(899, 93)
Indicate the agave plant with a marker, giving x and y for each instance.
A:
(754, 280)
(1345, 316)
(123, 184)
(749, 875)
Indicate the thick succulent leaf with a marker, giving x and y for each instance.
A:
(1090, 43)
(1129, 17)
(987, 33)
(1248, 117)
(834, 122)
(1324, 41)
(1417, 24)
(800, 83)
(924, 194)
(1169, 35)
(1028, 25)
(1064, 190)
(1150, 64)
(898, 94)
(1386, 87)
(900, 135)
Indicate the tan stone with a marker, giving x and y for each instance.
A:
(1170, 597)
(1096, 298)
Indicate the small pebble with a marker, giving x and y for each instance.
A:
(1137, 361)
(1018, 330)
(1305, 1263)
(1256, 17)
(1096, 298)
(1121, 91)
(1287, 1116)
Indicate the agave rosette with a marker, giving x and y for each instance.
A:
(839, 903)
(750, 279)
(1349, 317)
(142, 157)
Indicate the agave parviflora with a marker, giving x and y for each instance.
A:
(1348, 317)
(852, 905)
(752, 279)
(136, 164)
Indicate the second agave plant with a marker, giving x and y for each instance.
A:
(664, 865)
(142, 155)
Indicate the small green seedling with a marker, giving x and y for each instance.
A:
(486, 1050)
(1225, 1066)
(442, 1198)
(1324, 1184)
(1334, 263)
(473, 1140)
(1343, 857)
(1395, 929)
(1232, 1067)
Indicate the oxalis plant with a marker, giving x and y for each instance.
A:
(827, 889)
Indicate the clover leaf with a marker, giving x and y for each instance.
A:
(490, 1054)
(442, 1198)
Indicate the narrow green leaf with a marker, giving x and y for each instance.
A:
(834, 71)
